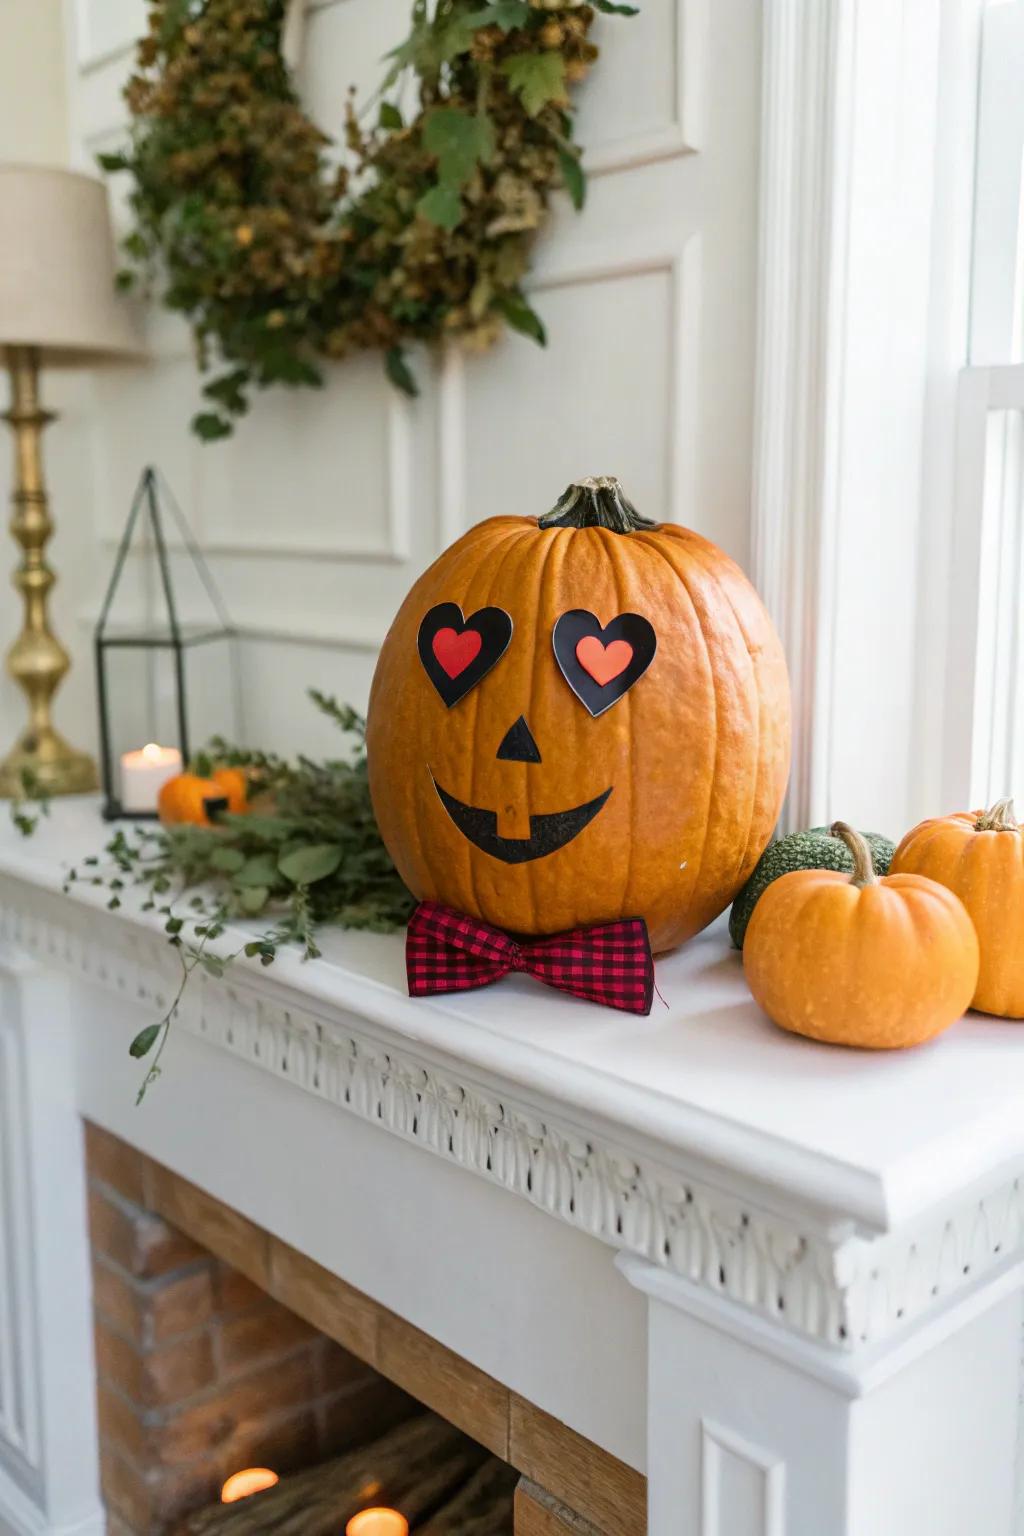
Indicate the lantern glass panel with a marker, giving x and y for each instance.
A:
(167, 668)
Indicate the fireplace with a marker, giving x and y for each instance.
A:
(220, 1350)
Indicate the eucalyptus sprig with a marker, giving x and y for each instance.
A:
(277, 257)
(307, 854)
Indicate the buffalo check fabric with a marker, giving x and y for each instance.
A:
(611, 963)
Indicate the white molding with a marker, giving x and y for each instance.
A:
(452, 506)
(602, 262)
(49, 1482)
(683, 134)
(718, 1442)
(400, 478)
(851, 1374)
(88, 56)
(840, 1289)
(19, 1387)
(20, 1517)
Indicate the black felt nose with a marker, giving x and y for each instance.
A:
(517, 745)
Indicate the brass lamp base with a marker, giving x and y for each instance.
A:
(50, 764)
(37, 661)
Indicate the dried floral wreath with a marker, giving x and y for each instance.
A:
(279, 258)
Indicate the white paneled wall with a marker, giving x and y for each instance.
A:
(325, 505)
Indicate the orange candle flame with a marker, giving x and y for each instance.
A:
(378, 1522)
(253, 1480)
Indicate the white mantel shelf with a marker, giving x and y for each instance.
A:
(840, 1189)
(827, 1247)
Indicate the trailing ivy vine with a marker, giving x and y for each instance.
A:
(306, 854)
(278, 257)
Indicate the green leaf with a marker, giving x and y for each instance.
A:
(261, 869)
(213, 965)
(116, 161)
(305, 866)
(442, 206)
(460, 141)
(144, 1041)
(399, 372)
(505, 14)
(252, 900)
(611, 8)
(209, 427)
(430, 45)
(228, 391)
(390, 117)
(572, 175)
(228, 860)
(537, 78)
(521, 317)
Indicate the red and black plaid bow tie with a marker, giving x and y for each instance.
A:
(611, 963)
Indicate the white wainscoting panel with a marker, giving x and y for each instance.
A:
(106, 30)
(646, 437)
(19, 1418)
(743, 1485)
(630, 127)
(325, 505)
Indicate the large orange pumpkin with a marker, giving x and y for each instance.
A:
(874, 961)
(578, 718)
(980, 856)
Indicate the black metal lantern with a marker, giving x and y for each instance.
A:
(146, 689)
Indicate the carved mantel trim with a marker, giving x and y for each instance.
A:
(838, 1287)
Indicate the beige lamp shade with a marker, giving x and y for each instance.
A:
(57, 268)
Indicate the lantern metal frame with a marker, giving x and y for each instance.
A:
(151, 491)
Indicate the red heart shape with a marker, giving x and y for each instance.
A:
(603, 662)
(455, 651)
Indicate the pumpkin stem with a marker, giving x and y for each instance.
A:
(863, 868)
(598, 502)
(999, 819)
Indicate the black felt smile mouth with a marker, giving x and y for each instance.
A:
(548, 833)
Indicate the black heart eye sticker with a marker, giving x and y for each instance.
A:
(456, 652)
(600, 665)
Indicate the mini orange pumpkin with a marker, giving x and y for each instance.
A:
(980, 856)
(579, 718)
(861, 960)
(233, 783)
(190, 797)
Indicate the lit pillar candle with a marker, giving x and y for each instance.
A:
(378, 1522)
(144, 774)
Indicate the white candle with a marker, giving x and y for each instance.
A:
(144, 774)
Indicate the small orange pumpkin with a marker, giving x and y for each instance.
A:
(577, 718)
(980, 856)
(189, 798)
(233, 783)
(861, 960)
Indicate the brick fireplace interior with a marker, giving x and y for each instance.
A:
(218, 1348)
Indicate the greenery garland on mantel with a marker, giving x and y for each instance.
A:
(306, 854)
(279, 258)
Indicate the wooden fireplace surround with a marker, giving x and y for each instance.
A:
(568, 1487)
